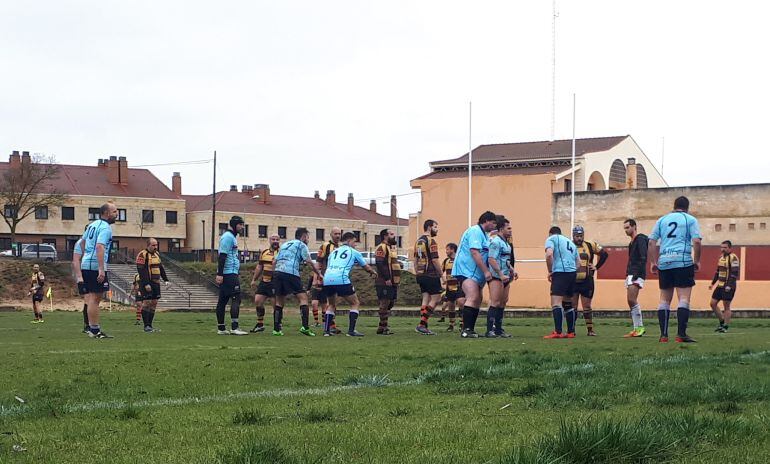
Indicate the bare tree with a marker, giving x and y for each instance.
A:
(27, 188)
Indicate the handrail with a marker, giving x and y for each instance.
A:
(190, 276)
(120, 255)
(120, 284)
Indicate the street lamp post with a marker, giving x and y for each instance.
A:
(203, 235)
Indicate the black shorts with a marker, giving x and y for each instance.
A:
(679, 277)
(266, 289)
(563, 284)
(387, 292)
(287, 284)
(585, 288)
(500, 280)
(720, 294)
(454, 295)
(338, 290)
(90, 285)
(230, 286)
(37, 297)
(138, 297)
(153, 294)
(429, 284)
(317, 294)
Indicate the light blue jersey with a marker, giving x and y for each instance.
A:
(339, 264)
(290, 256)
(98, 232)
(228, 245)
(565, 253)
(464, 266)
(675, 231)
(78, 250)
(500, 250)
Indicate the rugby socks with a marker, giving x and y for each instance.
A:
(452, 317)
(664, 310)
(221, 303)
(260, 316)
(235, 310)
(424, 315)
(383, 313)
(315, 314)
(499, 314)
(353, 315)
(85, 316)
(682, 317)
(151, 316)
(558, 316)
(491, 312)
(636, 316)
(145, 317)
(277, 318)
(328, 321)
(304, 313)
(470, 315)
(570, 315)
(139, 312)
(588, 316)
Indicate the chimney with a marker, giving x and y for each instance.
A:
(373, 206)
(176, 183)
(245, 188)
(631, 174)
(14, 161)
(262, 193)
(331, 198)
(233, 188)
(25, 158)
(123, 170)
(350, 203)
(112, 170)
(393, 210)
(317, 195)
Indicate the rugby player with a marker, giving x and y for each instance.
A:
(428, 273)
(562, 261)
(228, 278)
(584, 280)
(470, 269)
(286, 280)
(77, 254)
(336, 281)
(500, 264)
(388, 278)
(264, 273)
(453, 292)
(323, 254)
(675, 263)
(36, 290)
(151, 271)
(92, 279)
(725, 278)
(636, 272)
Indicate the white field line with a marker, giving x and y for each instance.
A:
(153, 350)
(374, 382)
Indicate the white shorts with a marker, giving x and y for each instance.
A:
(639, 282)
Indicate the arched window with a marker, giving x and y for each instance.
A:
(617, 175)
(596, 181)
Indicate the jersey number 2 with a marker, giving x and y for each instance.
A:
(671, 233)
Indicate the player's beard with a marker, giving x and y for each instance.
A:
(392, 241)
(275, 246)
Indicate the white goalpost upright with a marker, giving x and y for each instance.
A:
(470, 162)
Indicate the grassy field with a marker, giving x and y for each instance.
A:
(187, 395)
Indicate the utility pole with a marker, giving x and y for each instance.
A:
(214, 209)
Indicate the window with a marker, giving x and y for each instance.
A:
(567, 185)
(717, 227)
(732, 227)
(262, 231)
(148, 216)
(170, 217)
(762, 226)
(357, 233)
(50, 241)
(751, 226)
(94, 214)
(222, 227)
(121, 215)
(281, 232)
(9, 211)
(319, 235)
(41, 212)
(68, 213)
(5, 243)
(245, 232)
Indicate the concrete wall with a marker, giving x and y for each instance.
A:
(603, 213)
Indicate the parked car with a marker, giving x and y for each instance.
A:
(43, 251)
(405, 263)
(368, 257)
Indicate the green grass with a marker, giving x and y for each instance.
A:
(187, 395)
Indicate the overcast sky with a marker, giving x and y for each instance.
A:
(359, 96)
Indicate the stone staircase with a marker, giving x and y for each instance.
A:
(180, 295)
